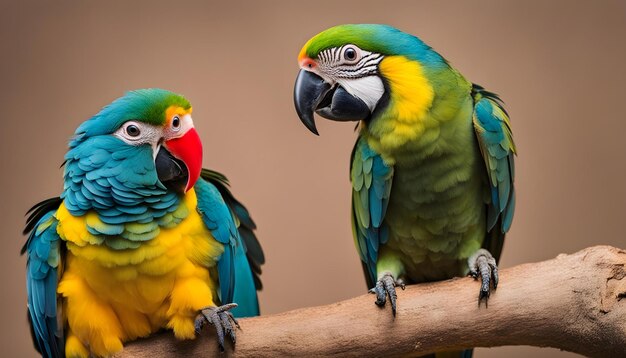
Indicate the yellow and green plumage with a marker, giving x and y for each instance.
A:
(120, 255)
(432, 170)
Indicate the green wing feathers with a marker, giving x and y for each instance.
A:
(371, 186)
(495, 140)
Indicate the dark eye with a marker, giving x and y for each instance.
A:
(132, 130)
(350, 54)
(176, 122)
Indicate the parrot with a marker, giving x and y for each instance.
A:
(432, 169)
(142, 238)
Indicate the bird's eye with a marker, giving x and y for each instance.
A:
(176, 123)
(350, 54)
(133, 131)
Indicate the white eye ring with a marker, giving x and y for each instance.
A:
(132, 131)
(351, 54)
(176, 123)
(138, 133)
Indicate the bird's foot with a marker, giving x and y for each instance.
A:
(222, 319)
(484, 265)
(386, 286)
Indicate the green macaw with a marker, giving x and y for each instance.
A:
(432, 169)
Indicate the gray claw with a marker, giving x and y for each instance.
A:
(386, 286)
(222, 319)
(483, 264)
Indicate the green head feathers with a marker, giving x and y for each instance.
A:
(144, 105)
(383, 39)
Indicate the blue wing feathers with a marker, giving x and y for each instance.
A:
(495, 140)
(226, 269)
(43, 251)
(371, 183)
(240, 264)
(218, 219)
(376, 208)
(244, 291)
(254, 252)
(508, 213)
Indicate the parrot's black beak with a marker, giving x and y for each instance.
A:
(171, 171)
(313, 94)
(309, 91)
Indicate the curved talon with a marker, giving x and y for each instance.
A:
(494, 273)
(386, 287)
(483, 264)
(222, 319)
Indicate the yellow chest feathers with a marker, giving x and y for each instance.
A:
(185, 250)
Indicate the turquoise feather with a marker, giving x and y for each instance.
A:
(118, 182)
(43, 249)
(496, 145)
(235, 268)
(371, 185)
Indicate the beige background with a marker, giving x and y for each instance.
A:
(559, 65)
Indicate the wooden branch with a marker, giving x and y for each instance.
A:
(573, 302)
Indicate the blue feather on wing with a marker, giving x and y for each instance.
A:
(371, 187)
(495, 140)
(44, 256)
(230, 223)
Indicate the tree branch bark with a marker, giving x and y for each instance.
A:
(573, 302)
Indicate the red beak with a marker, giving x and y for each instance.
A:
(188, 149)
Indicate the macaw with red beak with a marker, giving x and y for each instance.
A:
(142, 238)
